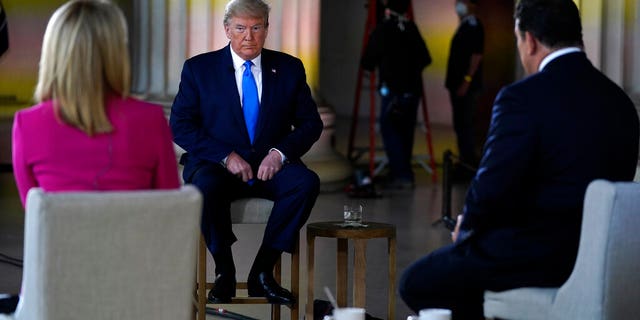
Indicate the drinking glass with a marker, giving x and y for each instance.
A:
(353, 215)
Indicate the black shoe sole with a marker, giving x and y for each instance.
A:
(215, 300)
(271, 300)
(281, 302)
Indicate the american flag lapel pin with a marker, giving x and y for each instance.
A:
(273, 71)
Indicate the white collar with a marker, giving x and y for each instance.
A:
(555, 54)
(238, 62)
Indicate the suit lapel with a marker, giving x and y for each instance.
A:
(269, 74)
(231, 88)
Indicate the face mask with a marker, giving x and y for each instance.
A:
(461, 9)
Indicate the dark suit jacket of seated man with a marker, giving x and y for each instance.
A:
(551, 134)
(221, 160)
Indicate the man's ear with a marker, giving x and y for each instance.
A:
(227, 31)
(531, 43)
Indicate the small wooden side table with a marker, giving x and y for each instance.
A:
(360, 235)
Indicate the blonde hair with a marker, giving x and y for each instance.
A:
(84, 58)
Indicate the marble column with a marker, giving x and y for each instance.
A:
(333, 168)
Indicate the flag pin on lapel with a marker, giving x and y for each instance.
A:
(273, 70)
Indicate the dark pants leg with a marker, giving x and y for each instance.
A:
(218, 188)
(456, 276)
(463, 108)
(294, 190)
(397, 126)
(446, 278)
(8, 303)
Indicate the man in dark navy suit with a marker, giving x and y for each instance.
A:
(551, 134)
(245, 116)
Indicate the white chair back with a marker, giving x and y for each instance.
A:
(604, 283)
(110, 255)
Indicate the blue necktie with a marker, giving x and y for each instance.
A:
(250, 102)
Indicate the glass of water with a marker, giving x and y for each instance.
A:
(353, 215)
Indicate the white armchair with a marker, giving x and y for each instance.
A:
(109, 255)
(605, 282)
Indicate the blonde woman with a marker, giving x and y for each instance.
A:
(86, 133)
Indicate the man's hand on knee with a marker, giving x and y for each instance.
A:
(239, 167)
(270, 165)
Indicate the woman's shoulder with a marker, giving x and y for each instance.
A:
(135, 106)
(133, 110)
(44, 106)
(42, 111)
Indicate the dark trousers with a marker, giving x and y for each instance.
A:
(456, 276)
(444, 279)
(397, 126)
(8, 303)
(463, 108)
(293, 189)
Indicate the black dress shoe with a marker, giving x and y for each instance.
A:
(266, 286)
(223, 289)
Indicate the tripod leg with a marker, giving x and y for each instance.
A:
(372, 122)
(354, 117)
(427, 124)
(447, 166)
(369, 25)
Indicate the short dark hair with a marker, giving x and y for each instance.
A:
(399, 6)
(555, 23)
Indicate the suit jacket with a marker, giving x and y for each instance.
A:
(50, 154)
(207, 119)
(551, 134)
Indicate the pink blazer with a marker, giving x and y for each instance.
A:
(50, 154)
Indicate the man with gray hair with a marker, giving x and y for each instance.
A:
(245, 116)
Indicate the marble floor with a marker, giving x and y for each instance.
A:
(413, 212)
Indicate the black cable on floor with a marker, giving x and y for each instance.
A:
(10, 260)
(2, 255)
(227, 314)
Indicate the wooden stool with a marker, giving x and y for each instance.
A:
(247, 211)
(333, 229)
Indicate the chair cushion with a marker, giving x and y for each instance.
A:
(520, 303)
(251, 210)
